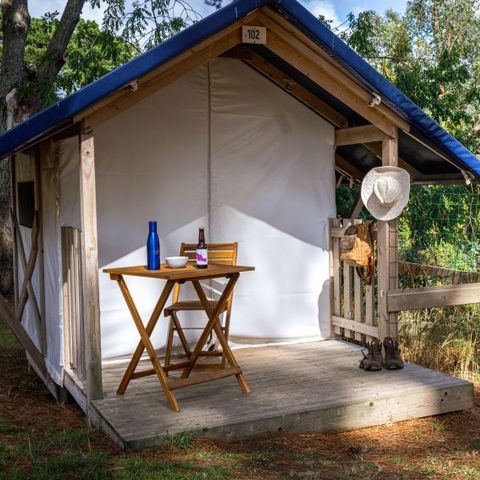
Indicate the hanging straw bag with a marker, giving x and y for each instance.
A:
(356, 249)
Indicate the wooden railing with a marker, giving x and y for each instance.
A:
(74, 328)
(353, 303)
(414, 272)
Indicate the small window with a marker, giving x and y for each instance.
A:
(26, 203)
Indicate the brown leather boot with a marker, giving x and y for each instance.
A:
(393, 359)
(372, 360)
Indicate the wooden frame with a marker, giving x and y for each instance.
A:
(277, 76)
(354, 135)
(445, 296)
(309, 58)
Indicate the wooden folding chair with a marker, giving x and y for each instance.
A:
(222, 253)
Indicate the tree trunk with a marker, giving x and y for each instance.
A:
(54, 59)
(15, 25)
(22, 95)
(6, 250)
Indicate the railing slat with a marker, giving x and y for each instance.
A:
(353, 313)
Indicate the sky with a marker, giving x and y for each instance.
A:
(335, 10)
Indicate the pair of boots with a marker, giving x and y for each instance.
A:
(373, 361)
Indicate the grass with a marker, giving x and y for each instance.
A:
(181, 440)
(67, 465)
(133, 468)
(7, 339)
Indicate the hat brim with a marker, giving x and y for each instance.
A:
(371, 202)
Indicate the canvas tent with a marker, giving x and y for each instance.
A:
(248, 140)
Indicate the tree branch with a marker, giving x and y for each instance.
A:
(55, 55)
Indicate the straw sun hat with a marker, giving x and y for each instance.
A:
(385, 192)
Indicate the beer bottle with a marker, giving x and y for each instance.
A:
(202, 252)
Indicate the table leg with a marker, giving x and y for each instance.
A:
(214, 324)
(145, 342)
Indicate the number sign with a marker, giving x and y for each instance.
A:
(254, 34)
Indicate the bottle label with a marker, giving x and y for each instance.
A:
(202, 256)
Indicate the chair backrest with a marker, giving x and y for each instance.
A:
(223, 253)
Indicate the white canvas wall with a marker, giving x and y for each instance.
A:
(222, 147)
(151, 164)
(273, 189)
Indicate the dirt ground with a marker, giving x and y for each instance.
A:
(42, 439)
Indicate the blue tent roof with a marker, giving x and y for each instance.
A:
(63, 112)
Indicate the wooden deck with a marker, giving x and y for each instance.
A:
(303, 387)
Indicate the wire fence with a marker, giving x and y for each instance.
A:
(439, 236)
(438, 233)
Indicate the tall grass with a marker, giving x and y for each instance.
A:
(445, 339)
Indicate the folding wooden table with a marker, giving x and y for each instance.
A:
(189, 273)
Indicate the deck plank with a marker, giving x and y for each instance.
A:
(302, 387)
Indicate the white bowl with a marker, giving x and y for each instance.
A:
(176, 262)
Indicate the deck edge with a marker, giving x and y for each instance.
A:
(335, 417)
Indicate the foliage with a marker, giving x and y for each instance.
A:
(346, 198)
(440, 226)
(149, 22)
(431, 54)
(90, 54)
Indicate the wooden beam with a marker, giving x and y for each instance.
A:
(41, 258)
(167, 73)
(356, 135)
(13, 208)
(417, 298)
(240, 52)
(376, 148)
(28, 272)
(304, 57)
(387, 263)
(23, 261)
(22, 336)
(357, 207)
(354, 326)
(90, 289)
(348, 168)
(440, 179)
(298, 91)
(285, 23)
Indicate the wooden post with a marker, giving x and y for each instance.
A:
(13, 200)
(387, 253)
(335, 309)
(42, 150)
(91, 311)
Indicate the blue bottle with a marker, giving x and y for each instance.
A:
(153, 247)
